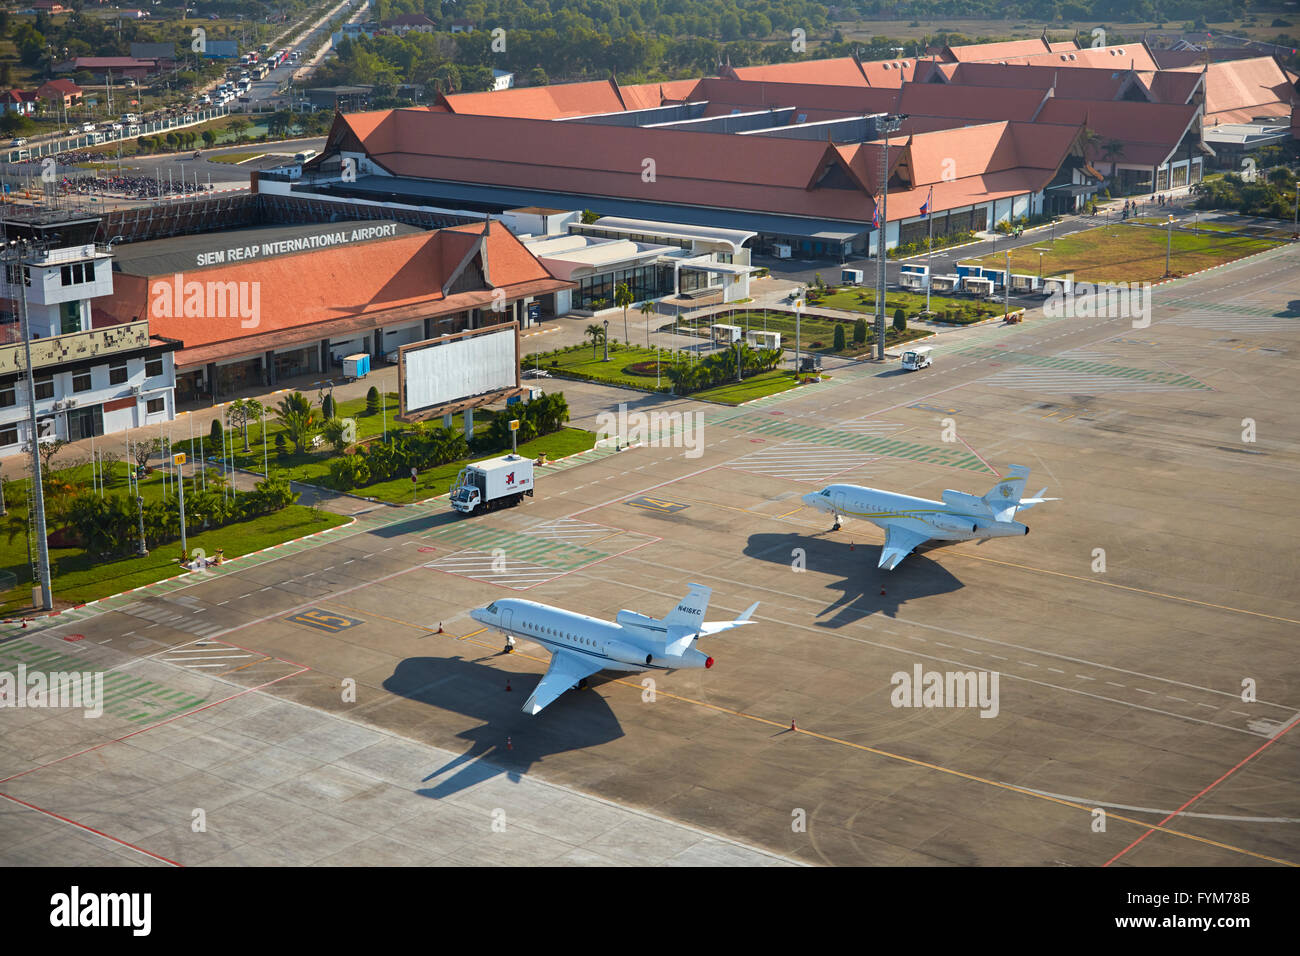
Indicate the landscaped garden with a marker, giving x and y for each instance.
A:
(709, 378)
(358, 446)
(818, 333)
(93, 525)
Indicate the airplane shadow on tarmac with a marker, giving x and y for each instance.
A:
(862, 582)
(508, 741)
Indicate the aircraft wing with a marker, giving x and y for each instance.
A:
(898, 545)
(567, 668)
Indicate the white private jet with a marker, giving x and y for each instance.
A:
(909, 521)
(582, 645)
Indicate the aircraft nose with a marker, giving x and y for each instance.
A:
(812, 499)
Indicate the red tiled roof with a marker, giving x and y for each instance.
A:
(968, 102)
(1238, 90)
(303, 293)
(975, 52)
(541, 102)
(1146, 129)
(840, 71)
(650, 95)
(1133, 56)
(832, 100)
(707, 169)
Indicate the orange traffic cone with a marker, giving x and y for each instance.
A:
(440, 627)
(507, 683)
(509, 744)
(792, 726)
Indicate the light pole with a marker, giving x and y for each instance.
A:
(1169, 241)
(605, 340)
(38, 490)
(1040, 252)
(887, 125)
(1006, 289)
(179, 462)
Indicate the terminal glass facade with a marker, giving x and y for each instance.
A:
(645, 282)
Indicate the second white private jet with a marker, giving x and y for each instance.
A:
(909, 521)
(581, 645)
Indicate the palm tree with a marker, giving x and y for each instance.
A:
(298, 418)
(622, 299)
(596, 333)
(647, 310)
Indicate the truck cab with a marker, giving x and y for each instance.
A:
(495, 483)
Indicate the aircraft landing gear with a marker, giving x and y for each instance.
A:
(510, 646)
(582, 684)
(839, 522)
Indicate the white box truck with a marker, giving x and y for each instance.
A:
(494, 483)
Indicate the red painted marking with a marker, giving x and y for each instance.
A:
(82, 826)
(756, 441)
(75, 637)
(1241, 763)
(776, 413)
(426, 550)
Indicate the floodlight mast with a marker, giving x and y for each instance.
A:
(885, 124)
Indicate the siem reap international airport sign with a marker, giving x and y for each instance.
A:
(279, 247)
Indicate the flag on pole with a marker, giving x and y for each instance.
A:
(875, 216)
(925, 206)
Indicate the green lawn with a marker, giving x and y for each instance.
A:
(764, 383)
(79, 577)
(235, 158)
(864, 300)
(615, 372)
(1129, 253)
(817, 332)
(437, 481)
(312, 466)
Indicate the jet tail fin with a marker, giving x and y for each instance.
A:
(690, 610)
(1003, 498)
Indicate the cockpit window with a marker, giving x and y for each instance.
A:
(492, 608)
(826, 492)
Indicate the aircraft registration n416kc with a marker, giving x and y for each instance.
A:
(909, 521)
(581, 645)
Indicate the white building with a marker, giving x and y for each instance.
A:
(89, 381)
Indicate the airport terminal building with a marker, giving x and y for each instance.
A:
(252, 307)
(799, 154)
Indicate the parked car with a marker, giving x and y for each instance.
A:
(18, 141)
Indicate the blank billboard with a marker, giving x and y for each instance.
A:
(459, 368)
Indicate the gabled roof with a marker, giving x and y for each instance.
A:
(974, 52)
(1236, 91)
(1134, 56)
(541, 102)
(968, 102)
(309, 292)
(1150, 131)
(650, 95)
(810, 98)
(761, 173)
(840, 71)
